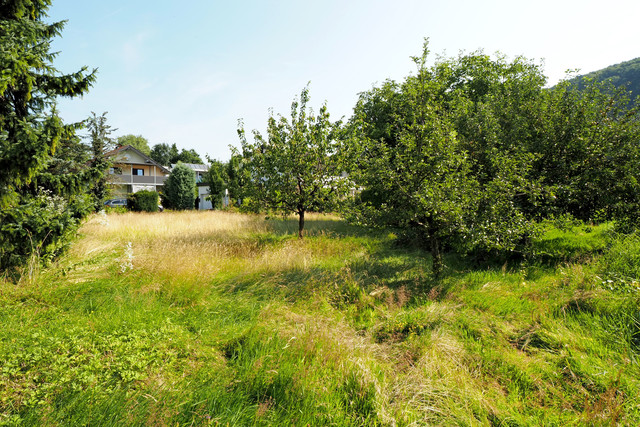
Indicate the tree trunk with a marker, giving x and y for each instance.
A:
(436, 255)
(300, 223)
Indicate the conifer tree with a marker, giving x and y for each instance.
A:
(101, 143)
(31, 130)
(180, 188)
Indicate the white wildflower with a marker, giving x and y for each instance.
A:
(126, 263)
(102, 218)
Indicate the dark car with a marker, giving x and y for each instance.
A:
(116, 203)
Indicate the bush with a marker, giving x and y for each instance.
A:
(38, 228)
(143, 201)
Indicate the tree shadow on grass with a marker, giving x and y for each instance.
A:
(318, 227)
(387, 264)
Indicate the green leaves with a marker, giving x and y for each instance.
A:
(143, 201)
(30, 133)
(473, 152)
(299, 166)
(179, 188)
(216, 178)
(441, 157)
(138, 142)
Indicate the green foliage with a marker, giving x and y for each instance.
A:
(138, 142)
(587, 153)
(238, 178)
(180, 187)
(473, 152)
(164, 154)
(30, 130)
(39, 228)
(167, 155)
(188, 156)
(299, 166)
(143, 201)
(227, 179)
(99, 132)
(216, 179)
(101, 143)
(70, 171)
(35, 221)
(50, 209)
(427, 172)
(624, 75)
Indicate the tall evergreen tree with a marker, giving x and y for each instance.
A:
(101, 142)
(30, 128)
(31, 131)
(180, 188)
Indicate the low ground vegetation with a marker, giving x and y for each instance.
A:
(216, 318)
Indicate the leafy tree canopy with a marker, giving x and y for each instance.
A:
(298, 167)
(440, 156)
(471, 152)
(588, 153)
(238, 178)
(136, 141)
(189, 156)
(626, 75)
(164, 154)
(167, 155)
(216, 179)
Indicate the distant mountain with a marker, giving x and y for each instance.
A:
(624, 74)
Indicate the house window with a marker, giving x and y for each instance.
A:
(138, 172)
(115, 170)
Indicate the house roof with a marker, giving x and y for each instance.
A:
(148, 160)
(198, 167)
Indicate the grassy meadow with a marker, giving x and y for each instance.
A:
(216, 318)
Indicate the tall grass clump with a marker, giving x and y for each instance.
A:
(623, 257)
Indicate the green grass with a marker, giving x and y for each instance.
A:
(230, 320)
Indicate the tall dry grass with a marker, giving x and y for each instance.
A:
(198, 245)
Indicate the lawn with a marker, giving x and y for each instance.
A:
(217, 318)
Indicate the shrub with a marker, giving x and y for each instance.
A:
(38, 228)
(143, 201)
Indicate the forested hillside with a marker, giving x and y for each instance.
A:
(625, 74)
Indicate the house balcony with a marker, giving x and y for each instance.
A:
(136, 179)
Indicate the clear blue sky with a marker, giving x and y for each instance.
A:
(185, 72)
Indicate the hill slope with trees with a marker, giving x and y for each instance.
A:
(625, 74)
